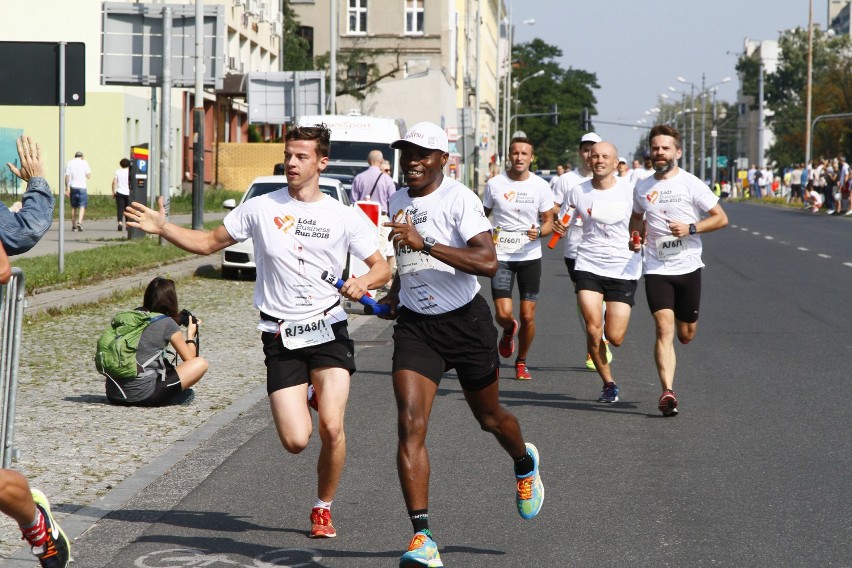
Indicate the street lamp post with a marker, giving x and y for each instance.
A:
(683, 114)
(703, 95)
(507, 83)
(517, 100)
(692, 123)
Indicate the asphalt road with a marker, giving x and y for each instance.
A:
(754, 471)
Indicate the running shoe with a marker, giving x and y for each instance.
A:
(321, 526)
(590, 365)
(56, 551)
(312, 397)
(507, 342)
(521, 371)
(609, 393)
(422, 551)
(668, 403)
(530, 494)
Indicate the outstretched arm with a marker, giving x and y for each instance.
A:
(154, 222)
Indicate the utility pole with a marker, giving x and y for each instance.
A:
(761, 119)
(703, 165)
(165, 111)
(198, 121)
(332, 60)
(808, 93)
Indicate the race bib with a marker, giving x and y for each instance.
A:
(409, 260)
(608, 212)
(315, 330)
(671, 247)
(508, 242)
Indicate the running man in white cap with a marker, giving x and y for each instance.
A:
(443, 242)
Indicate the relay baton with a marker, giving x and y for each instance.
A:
(371, 308)
(554, 238)
(637, 240)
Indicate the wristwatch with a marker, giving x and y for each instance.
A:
(428, 243)
(692, 229)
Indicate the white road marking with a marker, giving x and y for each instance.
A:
(802, 248)
(821, 255)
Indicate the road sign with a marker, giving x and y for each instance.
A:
(29, 73)
(133, 44)
(273, 98)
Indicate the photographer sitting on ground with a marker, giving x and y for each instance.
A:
(160, 381)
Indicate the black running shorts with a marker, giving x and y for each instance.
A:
(680, 293)
(529, 279)
(613, 289)
(570, 263)
(464, 339)
(288, 368)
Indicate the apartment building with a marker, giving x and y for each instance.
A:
(116, 117)
(436, 60)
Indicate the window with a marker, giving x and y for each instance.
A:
(413, 16)
(357, 17)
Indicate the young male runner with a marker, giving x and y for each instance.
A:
(521, 204)
(573, 230)
(672, 203)
(606, 269)
(298, 233)
(443, 242)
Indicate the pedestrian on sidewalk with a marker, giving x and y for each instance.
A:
(77, 174)
(443, 242)
(298, 234)
(121, 190)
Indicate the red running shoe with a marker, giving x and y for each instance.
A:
(321, 526)
(521, 371)
(507, 342)
(668, 403)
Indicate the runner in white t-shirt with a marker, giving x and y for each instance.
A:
(606, 269)
(671, 205)
(298, 233)
(443, 242)
(563, 210)
(520, 204)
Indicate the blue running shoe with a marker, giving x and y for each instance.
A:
(56, 551)
(609, 393)
(530, 488)
(422, 551)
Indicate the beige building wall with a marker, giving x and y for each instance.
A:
(115, 117)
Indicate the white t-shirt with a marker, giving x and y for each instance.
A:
(606, 230)
(77, 170)
(575, 224)
(515, 208)
(452, 215)
(639, 174)
(294, 243)
(683, 198)
(122, 178)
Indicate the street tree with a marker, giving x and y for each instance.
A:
(570, 90)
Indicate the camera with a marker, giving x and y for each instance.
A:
(184, 318)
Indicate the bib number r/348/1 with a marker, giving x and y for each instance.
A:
(304, 333)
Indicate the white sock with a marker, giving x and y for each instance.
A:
(322, 504)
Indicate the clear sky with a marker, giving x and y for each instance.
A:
(638, 48)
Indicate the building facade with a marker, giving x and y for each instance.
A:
(435, 61)
(116, 117)
(755, 137)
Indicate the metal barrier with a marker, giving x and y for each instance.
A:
(12, 303)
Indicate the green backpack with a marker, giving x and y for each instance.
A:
(115, 356)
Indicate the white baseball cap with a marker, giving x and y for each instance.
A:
(425, 135)
(622, 159)
(590, 137)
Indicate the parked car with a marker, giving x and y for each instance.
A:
(240, 256)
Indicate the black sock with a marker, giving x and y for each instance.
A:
(419, 519)
(524, 465)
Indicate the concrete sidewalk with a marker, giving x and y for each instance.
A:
(96, 233)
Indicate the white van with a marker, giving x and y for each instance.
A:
(353, 137)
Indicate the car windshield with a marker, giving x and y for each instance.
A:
(268, 187)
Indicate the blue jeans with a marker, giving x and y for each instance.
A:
(19, 232)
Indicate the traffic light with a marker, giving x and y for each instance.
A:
(585, 122)
(554, 115)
